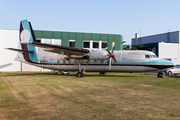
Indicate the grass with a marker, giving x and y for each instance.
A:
(27, 95)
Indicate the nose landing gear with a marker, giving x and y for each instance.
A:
(160, 74)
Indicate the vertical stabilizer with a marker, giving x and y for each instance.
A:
(26, 34)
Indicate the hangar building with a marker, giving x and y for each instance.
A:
(165, 45)
(10, 38)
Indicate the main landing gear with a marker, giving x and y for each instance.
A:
(102, 73)
(81, 73)
(160, 74)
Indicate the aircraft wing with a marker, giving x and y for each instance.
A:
(59, 49)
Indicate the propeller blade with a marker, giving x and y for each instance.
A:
(113, 43)
(111, 55)
(110, 63)
(114, 59)
(108, 51)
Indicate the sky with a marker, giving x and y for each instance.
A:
(125, 17)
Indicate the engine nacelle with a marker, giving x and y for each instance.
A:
(96, 55)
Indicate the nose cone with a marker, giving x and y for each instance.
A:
(163, 64)
(113, 55)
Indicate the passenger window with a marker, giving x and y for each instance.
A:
(147, 56)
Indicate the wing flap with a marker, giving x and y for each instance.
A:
(59, 49)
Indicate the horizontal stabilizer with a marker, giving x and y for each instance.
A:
(18, 50)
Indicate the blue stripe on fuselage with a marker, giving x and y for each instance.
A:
(153, 62)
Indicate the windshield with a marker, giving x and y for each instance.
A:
(153, 56)
(150, 56)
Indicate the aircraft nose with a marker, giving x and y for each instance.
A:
(167, 63)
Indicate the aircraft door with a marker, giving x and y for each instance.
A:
(51, 63)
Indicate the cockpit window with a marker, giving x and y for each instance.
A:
(154, 56)
(147, 56)
(150, 56)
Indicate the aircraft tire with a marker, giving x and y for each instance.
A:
(82, 74)
(79, 74)
(160, 75)
(102, 73)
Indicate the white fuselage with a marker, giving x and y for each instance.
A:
(127, 61)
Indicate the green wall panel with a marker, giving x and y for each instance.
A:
(64, 41)
(79, 43)
(79, 37)
(72, 36)
(96, 37)
(38, 34)
(47, 34)
(57, 35)
(104, 37)
(87, 36)
(117, 37)
(65, 35)
(111, 37)
(110, 44)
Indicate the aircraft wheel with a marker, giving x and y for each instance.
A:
(169, 73)
(102, 73)
(79, 74)
(82, 74)
(160, 74)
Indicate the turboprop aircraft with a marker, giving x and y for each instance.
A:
(62, 58)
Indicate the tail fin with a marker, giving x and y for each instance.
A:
(26, 34)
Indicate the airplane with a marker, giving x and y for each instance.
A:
(62, 58)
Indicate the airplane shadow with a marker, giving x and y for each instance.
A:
(29, 74)
(5, 65)
(98, 75)
(72, 74)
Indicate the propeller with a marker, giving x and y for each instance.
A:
(111, 55)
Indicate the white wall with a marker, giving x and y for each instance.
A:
(9, 39)
(176, 60)
(168, 50)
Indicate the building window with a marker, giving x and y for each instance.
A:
(86, 44)
(95, 44)
(72, 43)
(56, 41)
(47, 41)
(104, 44)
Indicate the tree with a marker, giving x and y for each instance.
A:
(138, 47)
